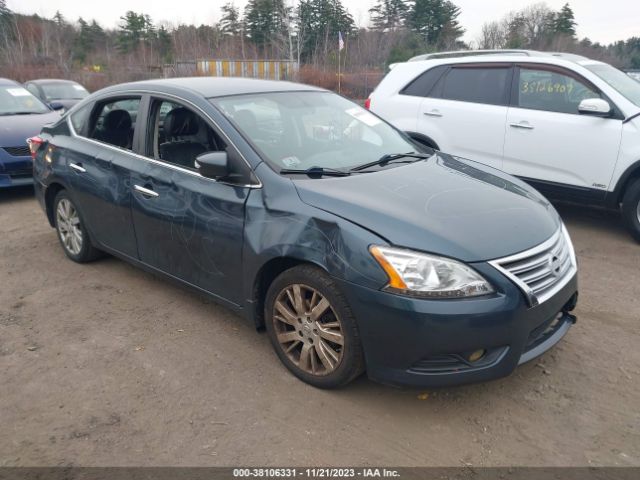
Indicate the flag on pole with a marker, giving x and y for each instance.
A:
(340, 41)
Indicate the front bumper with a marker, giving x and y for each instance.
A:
(426, 343)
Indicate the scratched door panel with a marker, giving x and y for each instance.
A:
(190, 227)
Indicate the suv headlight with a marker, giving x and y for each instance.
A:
(422, 275)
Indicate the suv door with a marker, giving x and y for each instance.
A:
(186, 225)
(467, 110)
(549, 143)
(99, 160)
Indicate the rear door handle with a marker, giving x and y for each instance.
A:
(523, 125)
(77, 167)
(145, 191)
(433, 113)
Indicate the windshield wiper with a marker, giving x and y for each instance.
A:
(390, 158)
(19, 113)
(316, 172)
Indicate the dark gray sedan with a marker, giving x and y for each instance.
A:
(310, 216)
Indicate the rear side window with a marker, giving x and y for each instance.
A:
(477, 85)
(113, 122)
(551, 91)
(423, 85)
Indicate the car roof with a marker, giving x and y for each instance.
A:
(51, 80)
(6, 81)
(214, 86)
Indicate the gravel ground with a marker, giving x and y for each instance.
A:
(104, 364)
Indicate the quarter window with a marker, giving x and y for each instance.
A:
(80, 120)
(551, 91)
(476, 85)
(422, 86)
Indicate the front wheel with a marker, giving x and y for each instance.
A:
(72, 233)
(312, 328)
(631, 209)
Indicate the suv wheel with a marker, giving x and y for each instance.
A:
(631, 209)
(312, 328)
(71, 232)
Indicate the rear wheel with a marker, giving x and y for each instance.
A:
(312, 328)
(631, 209)
(72, 234)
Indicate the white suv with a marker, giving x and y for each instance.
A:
(568, 125)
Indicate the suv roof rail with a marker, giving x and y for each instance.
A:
(471, 53)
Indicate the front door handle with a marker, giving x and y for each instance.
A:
(523, 125)
(433, 113)
(78, 167)
(145, 191)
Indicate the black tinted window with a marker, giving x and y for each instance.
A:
(423, 85)
(551, 91)
(477, 85)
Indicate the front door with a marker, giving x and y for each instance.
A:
(548, 141)
(186, 225)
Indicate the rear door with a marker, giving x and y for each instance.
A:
(99, 162)
(467, 110)
(186, 225)
(549, 142)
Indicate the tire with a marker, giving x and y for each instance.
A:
(72, 234)
(631, 209)
(328, 334)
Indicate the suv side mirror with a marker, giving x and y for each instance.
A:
(213, 164)
(595, 106)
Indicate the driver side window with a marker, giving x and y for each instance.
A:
(178, 135)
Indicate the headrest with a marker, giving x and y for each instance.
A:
(117, 120)
(180, 121)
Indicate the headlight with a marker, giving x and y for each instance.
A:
(429, 276)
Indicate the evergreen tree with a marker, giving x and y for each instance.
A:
(319, 22)
(564, 21)
(436, 21)
(134, 29)
(230, 23)
(59, 19)
(389, 14)
(165, 44)
(264, 19)
(5, 18)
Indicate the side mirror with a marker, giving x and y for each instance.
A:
(213, 164)
(595, 106)
(56, 106)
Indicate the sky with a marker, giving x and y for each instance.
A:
(601, 21)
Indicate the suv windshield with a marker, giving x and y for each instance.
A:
(15, 100)
(61, 91)
(302, 130)
(622, 82)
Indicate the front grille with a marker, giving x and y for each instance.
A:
(18, 151)
(543, 270)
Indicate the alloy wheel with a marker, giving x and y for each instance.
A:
(308, 329)
(68, 222)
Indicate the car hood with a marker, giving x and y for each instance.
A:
(15, 129)
(444, 205)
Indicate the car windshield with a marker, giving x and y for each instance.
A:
(61, 91)
(622, 82)
(304, 130)
(15, 100)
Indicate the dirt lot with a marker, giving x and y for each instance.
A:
(104, 364)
